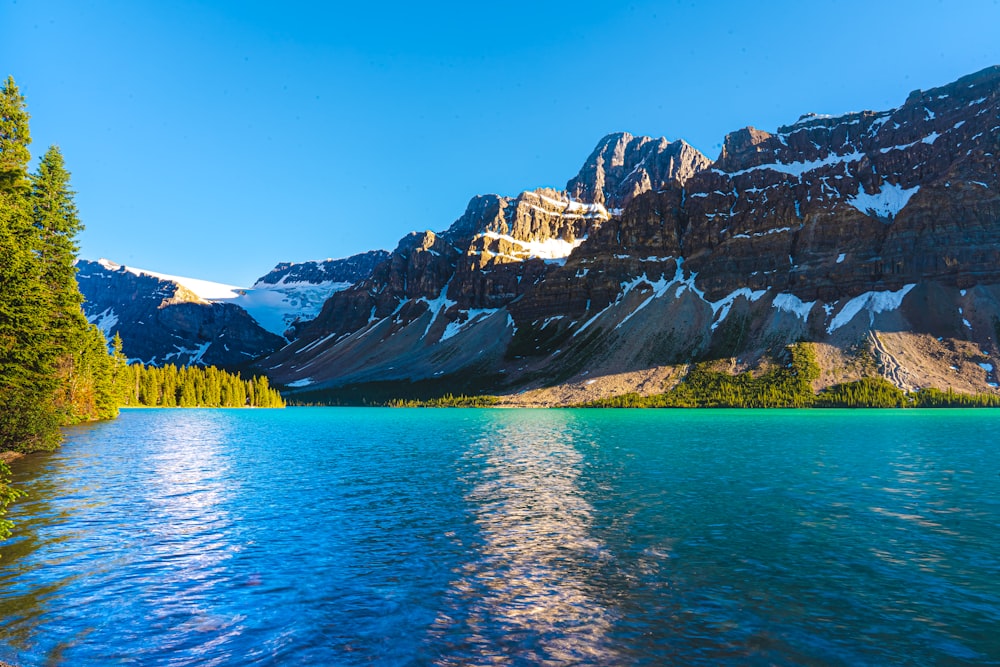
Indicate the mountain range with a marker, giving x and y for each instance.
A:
(875, 235)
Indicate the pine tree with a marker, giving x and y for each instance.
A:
(27, 380)
(14, 138)
(82, 366)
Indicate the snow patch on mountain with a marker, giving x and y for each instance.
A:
(874, 302)
(203, 289)
(790, 303)
(105, 321)
(886, 203)
(275, 306)
(550, 250)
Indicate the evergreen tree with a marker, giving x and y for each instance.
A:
(27, 379)
(78, 350)
(14, 138)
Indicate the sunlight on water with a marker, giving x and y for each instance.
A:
(485, 537)
(529, 581)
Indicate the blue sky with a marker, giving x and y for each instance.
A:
(215, 139)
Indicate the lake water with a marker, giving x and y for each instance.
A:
(337, 536)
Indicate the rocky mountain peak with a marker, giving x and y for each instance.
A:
(744, 148)
(622, 167)
(484, 213)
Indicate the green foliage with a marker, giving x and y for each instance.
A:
(15, 138)
(935, 398)
(27, 378)
(191, 387)
(870, 392)
(447, 401)
(8, 494)
(789, 386)
(54, 366)
(786, 385)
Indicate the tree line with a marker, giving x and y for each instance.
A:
(788, 384)
(194, 387)
(55, 367)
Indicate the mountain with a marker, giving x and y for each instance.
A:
(875, 235)
(170, 319)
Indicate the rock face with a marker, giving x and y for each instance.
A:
(166, 319)
(622, 167)
(872, 226)
(348, 270)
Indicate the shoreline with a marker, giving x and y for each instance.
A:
(9, 457)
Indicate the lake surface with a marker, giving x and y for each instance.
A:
(338, 536)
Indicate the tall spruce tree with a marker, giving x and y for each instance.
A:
(27, 382)
(81, 361)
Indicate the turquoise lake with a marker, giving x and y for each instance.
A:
(340, 536)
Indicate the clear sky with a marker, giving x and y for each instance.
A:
(215, 139)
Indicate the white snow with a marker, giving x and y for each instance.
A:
(274, 306)
(798, 168)
(660, 288)
(316, 343)
(968, 325)
(790, 303)
(570, 209)
(472, 315)
(105, 321)
(840, 257)
(720, 308)
(305, 382)
(195, 354)
(203, 289)
(874, 302)
(437, 306)
(549, 249)
(987, 367)
(809, 118)
(776, 230)
(887, 202)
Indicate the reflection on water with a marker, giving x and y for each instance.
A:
(417, 537)
(528, 581)
(146, 531)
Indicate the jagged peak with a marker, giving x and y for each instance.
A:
(422, 241)
(480, 213)
(622, 166)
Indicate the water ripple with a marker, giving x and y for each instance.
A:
(349, 537)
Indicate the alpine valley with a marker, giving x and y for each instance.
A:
(873, 235)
